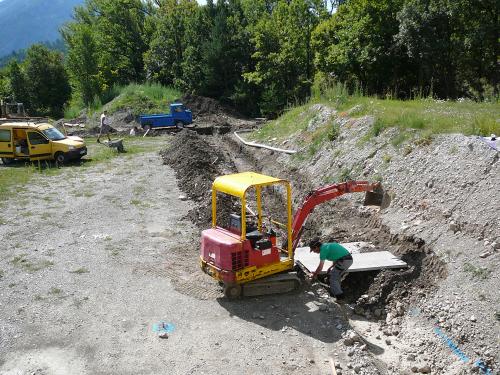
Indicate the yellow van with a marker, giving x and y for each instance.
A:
(38, 141)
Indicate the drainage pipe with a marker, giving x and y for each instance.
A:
(258, 145)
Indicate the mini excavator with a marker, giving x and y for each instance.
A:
(245, 255)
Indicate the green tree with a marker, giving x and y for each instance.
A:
(355, 45)
(283, 52)
(4, 84)
(46, 80)
(82, 60)
(228, 51)
(117, 29)
(165, 58)
(426, 31)
(18, 84)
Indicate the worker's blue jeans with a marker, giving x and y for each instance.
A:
(335, 274)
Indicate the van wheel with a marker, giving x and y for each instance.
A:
(6, 161)
(179, 125)
(60, 158)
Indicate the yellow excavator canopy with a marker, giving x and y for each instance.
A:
(238, 183)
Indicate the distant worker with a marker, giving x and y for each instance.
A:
(134, 131)
(493, 141)
(341, 259)
(105, 128)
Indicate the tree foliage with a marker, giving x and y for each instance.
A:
(106, 44)
(412, 47)
(262, 55)
(283, 53)
(40, 82)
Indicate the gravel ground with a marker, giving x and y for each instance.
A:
(94, 256)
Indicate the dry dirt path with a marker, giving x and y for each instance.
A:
(87, 267)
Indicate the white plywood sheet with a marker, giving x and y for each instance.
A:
(371, 261)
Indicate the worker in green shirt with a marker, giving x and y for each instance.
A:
(341, 259)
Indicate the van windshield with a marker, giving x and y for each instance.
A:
(53, 134)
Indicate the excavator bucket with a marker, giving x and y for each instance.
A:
(377, 197)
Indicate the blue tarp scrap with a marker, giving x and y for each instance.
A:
(163, 327)
(483, 368)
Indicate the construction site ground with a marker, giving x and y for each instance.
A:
(95, 256)
(91, 260)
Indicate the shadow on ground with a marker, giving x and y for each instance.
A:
(301, 311)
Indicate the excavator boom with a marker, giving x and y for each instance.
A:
(322, 195)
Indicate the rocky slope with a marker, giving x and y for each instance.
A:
(442, 316)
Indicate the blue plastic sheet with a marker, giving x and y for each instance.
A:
(483, 368)
(163, 327)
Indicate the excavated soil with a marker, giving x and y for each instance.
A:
(197, 162)
(203, 106)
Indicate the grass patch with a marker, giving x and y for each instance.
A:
(292, 121)
(133, 146)
(55, 291)
(139, 203)
(147, 98)
(345, 175)
(11, 178)
(479, 273)
(386, 158)
(297, 120)
(80, 271)
(435, 116)
(113, 250)
(84, 193)
(400, 138)
(144, 98)
(22, 262)
(45, 216)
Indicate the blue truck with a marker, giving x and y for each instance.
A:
(178, 117)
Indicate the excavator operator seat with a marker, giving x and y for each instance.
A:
(254, 237)
(235, 223)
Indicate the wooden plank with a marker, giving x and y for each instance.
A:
(332, 366)
(367, 261)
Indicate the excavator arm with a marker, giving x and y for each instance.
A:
(322, 195)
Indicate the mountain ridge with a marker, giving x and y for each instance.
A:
(24, 23)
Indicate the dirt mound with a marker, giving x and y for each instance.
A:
(203, 106)
(197, 162)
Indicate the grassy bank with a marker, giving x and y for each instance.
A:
(427, 116)
(432, 116)
(141, 99)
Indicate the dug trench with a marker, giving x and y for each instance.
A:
(198, 160)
